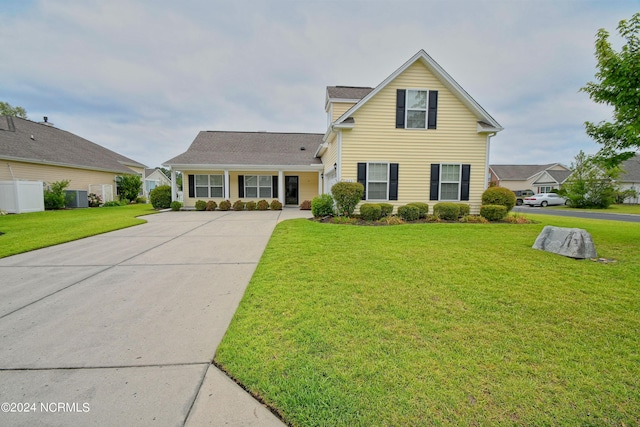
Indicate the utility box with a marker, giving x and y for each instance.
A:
(76, 198)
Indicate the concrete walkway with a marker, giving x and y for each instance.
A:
(121, 328)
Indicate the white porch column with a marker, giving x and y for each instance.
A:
(320, 183)
(174, 186)
(281, 187)
(226, 185)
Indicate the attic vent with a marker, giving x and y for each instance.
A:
(33, 138)
(302, 148)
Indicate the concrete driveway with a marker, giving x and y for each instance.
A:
(121, 328)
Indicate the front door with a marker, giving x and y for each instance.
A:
(291, 190)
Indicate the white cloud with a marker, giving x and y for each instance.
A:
(142, 78)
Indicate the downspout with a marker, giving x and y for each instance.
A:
(11, 172)
(486, 166)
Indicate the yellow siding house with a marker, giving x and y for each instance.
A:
(417, 136)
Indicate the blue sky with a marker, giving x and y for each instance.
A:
(143, 77)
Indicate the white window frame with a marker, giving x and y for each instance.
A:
(369, 180)
(441, 181)
(208, 186)
(543, 188)
(426, 108)
(258, 187)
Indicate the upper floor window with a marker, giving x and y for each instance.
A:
(416, 108)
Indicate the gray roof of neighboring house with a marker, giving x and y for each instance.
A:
(347, 92)
(518, 172)
(251, 148)
(631, 168)
(559, 176)
(24, 140)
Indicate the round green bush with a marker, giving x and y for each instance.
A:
(176, 205)
(161, 197)
(499, 196)
(465, 209)
(447, 210)
(347, 196)
(263, 205)
(322, 206)
(422, 207)
(251, 205)
(276, 205)
(493, 212)
(224, 205)
(370, 212)
(238, 205)
(409, 213)
(201, 205)
(386, 209)
(211, 205)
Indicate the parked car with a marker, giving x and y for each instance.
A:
(545, 199)
(521, 194)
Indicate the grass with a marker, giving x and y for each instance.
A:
(619, 209)
(29, 231)
(441, 324)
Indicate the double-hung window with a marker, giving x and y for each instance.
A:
(209, 186)
(378, 181)
(450, 182)
(416, 109)
(257, 186)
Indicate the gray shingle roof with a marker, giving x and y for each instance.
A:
(631, 168)
(251, 148)
(559, 176)
(518, 172)
(22, 139)
(347, 92)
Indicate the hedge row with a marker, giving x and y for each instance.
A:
(238, 205)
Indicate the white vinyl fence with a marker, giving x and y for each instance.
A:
(21, 196)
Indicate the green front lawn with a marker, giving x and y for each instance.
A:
(29, 231)
(441, 324)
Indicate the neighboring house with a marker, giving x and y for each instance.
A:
(538, 178)
(417, 136)
(629, 179)
(33, 151)
(153, 178)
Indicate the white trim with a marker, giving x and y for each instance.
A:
(388, 181)
(442, 76)
(174, 186)
(487, 167)
(280, 187)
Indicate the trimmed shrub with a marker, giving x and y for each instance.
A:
(276, 205)
(347, 196)
(370, 212)
(306, 205)
(447, 210)
(111, 204)
(263, 205)
(176, 205)
(224, 205)
(409, 213)
(493, 212)
(201, 205)
(386, 209)
(161, 197)
(211, 205)
(465, 209)
(499, 196)
(422, 207)
(250, 205)
(238, 205)
(322, 206)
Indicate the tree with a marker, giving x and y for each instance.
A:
(7, 110)
(129, 186)
(618, 75)
(591, 184)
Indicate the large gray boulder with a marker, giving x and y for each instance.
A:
(570, 242)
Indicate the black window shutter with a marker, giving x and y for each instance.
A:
(393, 181)
(362, 178)
(274, 186)
(433, 109)
(464, 188)
(435, 181)
(192, 186)
(400, 106)
(240, 185)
